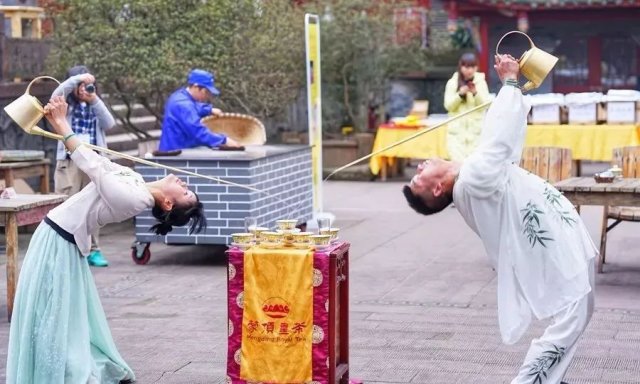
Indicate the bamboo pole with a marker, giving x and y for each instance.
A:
(42, 132)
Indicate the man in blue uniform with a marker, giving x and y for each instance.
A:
(181, 126)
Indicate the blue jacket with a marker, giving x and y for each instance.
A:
(181, 126)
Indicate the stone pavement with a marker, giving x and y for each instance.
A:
(423, 301)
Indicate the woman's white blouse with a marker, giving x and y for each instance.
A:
(115, 194)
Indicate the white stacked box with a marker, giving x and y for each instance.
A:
(582, 107)
(545, 108)
(622, 106)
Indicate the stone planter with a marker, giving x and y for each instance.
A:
(365, 143)
(336, 153)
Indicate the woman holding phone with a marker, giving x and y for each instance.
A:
(466, 89)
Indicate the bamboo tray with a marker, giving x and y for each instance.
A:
(245, 129)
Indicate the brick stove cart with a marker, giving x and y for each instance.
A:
(282, 170)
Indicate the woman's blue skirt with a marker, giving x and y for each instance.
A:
(59, 332)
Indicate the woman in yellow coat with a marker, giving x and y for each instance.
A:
(466, 89)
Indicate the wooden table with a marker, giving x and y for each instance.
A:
(21, 210)
(585, 191)
(23, 169)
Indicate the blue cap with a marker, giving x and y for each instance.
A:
(204, 79)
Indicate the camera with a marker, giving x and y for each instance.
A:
(90, 88)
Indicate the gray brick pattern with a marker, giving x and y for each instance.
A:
(286, 178)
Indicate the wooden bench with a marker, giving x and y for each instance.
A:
(627, 158)
(23, 169)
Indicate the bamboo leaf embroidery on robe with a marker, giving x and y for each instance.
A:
(129, 176)
(541, 365)
(554, 203)
(532, 227)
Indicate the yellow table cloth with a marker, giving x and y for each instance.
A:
(431, 144)
(278, 300)
(587, 142)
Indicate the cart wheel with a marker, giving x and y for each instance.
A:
(140, 253)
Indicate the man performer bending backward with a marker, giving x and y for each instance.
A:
(537, 243)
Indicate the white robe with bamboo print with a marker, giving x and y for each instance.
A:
(533, 235)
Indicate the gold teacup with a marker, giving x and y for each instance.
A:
(286, 225)
(242, 238)
(301, 237)
(287, 234)
(321, 240)
(258, 231)
(271, 237)
(333, 232)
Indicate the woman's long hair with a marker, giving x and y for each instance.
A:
(178, 217)
(468, 59)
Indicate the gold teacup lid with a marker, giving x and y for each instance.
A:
(241, 234)
(271, 234)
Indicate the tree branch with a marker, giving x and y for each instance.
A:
(127, 124)
(237, 98)
(345, 91)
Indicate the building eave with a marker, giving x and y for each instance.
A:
(544, 5)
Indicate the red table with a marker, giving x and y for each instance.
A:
(331, 356)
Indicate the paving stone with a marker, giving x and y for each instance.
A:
(423, 301)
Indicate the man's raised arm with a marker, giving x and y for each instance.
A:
(503, 134)
(505, 124)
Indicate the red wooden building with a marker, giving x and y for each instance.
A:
(597, 41)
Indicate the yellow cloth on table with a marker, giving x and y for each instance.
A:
(277, 320)
(587, 142)
(431, 144)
